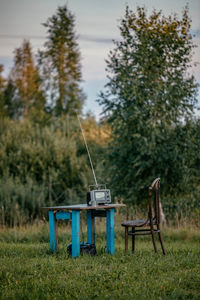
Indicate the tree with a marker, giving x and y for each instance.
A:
(12, 104)
(60, 63)
(8, 104)
(148, 95)
(26, 79)
(2, 86)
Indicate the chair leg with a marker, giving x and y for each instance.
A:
(161, 242)
(126, 240)
(133, 240)
(153, 239)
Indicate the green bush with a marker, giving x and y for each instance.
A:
(41, 166)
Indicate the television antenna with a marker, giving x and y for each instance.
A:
(91, 164)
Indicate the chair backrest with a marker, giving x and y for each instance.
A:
(154, 201)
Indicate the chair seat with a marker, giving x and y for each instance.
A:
(134, 223)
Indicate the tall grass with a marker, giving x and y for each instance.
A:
(42, 166)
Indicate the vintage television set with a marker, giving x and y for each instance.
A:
(98, 195)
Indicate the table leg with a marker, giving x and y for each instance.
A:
(93, 230)
(90, 228)
(110, 231)
(75, 233)
(52, 231)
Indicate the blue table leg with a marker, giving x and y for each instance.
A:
(52, 231)
(110, 229)
(75, 233)
(90, 228)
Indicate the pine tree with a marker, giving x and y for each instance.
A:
(60, 63)
(11, 101)
(26, 79)
(2, 100)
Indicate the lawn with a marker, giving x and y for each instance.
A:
(29, 271)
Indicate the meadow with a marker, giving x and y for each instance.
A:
(29, 271)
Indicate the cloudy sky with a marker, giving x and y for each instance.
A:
(97, 24)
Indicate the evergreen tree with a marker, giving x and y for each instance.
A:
(11, 101)
(8, 105)
(2, 86)
(26, 79)
(148, 94)
(60, 63)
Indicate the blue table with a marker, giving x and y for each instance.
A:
(73, 212)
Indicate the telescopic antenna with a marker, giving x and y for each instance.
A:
(87, 151)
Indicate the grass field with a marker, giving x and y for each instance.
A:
(29, 271)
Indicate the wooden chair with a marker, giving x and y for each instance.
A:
(152, 224)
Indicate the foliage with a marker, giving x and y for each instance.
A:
(11, 104)
(149, 99)
(7, 107)
(44, 165)
(2, 105)
(29, 271)
(20, 203)
(28, 96)
(60, 63)
(148, 69)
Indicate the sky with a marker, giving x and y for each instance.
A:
(96, 25)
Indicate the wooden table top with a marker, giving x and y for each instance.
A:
(83, 207)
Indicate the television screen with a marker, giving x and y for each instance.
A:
(100, 196)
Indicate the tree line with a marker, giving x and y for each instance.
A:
(149, 128)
